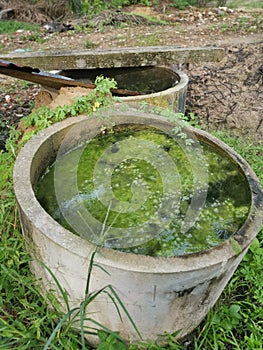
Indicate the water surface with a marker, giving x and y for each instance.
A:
(137, 190)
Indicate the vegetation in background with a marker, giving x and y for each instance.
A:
(58, 9)
(96, 6)
(31, 32)
(245, 3)
(12, 26)
(36, 11)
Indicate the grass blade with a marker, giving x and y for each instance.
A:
(58, 326)
(62, 291)
(124, 309)
(104, 328)
(82, 310)
(89, 271)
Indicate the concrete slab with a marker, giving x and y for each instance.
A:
(116, 57)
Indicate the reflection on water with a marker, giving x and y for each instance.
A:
(142, 79)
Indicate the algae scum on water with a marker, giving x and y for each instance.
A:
(139, 189)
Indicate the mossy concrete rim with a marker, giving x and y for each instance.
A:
(36, 155)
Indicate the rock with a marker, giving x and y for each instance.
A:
(43, 98)
(67, 95)
(223, 8)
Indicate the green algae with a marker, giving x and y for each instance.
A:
(126, 193)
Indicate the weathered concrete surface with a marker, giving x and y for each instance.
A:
(173, 98)
(118, 57)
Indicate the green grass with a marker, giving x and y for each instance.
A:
(9, 27)
(245, 3)
(26, 321)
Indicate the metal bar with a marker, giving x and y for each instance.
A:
(56, 81)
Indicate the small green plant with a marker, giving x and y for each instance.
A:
(36, 36)
(80, 28)
(14, 86)
(90, 44)
(44, 117)
(180, 4)
(110, 341)
(224, 27)
(98, 98)
(149, 40)
(242, 24)
(170, 341)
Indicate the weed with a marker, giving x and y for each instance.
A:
(181, 4)
(110, 342)
(36, 37)
(14, 86)
(150, 39)
(90, 45)
(99, 97)
(168, 339)
(78, 315)
(12, 26)
(242, 24)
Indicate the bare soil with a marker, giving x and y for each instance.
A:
(225, 95)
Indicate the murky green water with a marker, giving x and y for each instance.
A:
(143, 79)
(146, 192)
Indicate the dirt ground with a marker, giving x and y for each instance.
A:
(226, 95)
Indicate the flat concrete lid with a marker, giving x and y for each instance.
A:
(116, 57)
